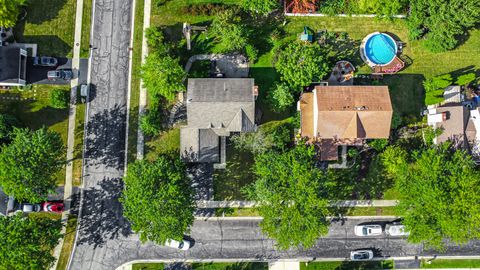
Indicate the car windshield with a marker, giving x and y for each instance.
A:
(360, 256)
(365, 230)
(181, 245)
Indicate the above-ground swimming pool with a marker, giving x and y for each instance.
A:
(379, 49)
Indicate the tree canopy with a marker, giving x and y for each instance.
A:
(289, 190)
(29, 163)
(162, 76)
(440, 22)
(9, 11)
(300, 64)
(157, 199)
(439, 193)
(227, 29)
(435, 87)
(27, 243)
(262, 7)
(280, 97)
(7, 123)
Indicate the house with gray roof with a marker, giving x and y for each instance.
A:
(216, 108)
(13, 66)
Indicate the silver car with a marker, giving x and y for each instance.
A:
(182, 245)
(396, 229)
(368, 230)
(361, 255)
(30, 207)
(63, 74)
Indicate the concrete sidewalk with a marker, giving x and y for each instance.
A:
(250, 204)
(284, 265)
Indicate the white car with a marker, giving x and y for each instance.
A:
(361, 255)
(396, 230)
(368, 230)
(182, 245)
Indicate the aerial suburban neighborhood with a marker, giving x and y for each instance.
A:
(239, 134)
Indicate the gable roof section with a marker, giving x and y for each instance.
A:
(348, 112)
(199, 145)
(9, 64)
(454, 127)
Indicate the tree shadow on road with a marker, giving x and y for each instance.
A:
(102, 214)
(105, 139)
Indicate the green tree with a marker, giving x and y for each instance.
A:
(59, 99)
(151, 122)
(280, 97)
(274, 135)
(439, 194)
(9, 11)
(300, 64)
(289, 191)
(156, 41)
(29, 163)
(466, 79)
(439, 22)
(262, 7)
(162, 76)
(27, 243)
(227, 29)
(157, 199)
(434, 88)
(7, 123)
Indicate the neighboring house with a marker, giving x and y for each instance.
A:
(458, 121)
(216, 107)
(332, 116)
(7, 203)
(13, 66)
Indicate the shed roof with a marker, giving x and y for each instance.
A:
(9, 64)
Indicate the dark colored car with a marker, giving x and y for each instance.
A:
(55, 207)
(45, 61)
(63, 74)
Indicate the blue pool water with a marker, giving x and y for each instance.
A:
(380, 49)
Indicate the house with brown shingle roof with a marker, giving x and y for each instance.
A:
(332, 116)
(216, 108)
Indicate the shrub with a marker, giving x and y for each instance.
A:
(262, 7)
(151, 122)
(280, 97)
(465, 79)
(378, 144)
(204, 9)
(229, 32)
(252, 53)
(59, 99)
(7, 123)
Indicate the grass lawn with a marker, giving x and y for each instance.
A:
(347, 265)
(167, 142)
(230, 266)
(36, 113)
(51, 25)
(78, 144)
(371, 211)
(227, 183)
(441, 263)
(86, 27)
(135, 87)
(68, 242)
(147, 266)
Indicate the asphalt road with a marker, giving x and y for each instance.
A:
(101, 217)
(242, 239)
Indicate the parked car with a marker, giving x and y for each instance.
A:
(361, 255)
(368, 230)
(182, 245)
(30, 207)
(64, 74)
(396, 229)
(45, 61)
(55, 207)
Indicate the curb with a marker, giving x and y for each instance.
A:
(261, 218)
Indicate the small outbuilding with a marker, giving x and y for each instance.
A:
(13, 66)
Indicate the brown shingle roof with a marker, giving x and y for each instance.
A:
(347, 112)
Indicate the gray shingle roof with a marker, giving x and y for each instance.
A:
(9, 64)
(215, 107)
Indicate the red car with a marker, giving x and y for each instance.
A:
(56, 207)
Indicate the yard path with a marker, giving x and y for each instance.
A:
(143, 91)
(67, 191)
(250, 204)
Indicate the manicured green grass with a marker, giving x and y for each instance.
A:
(135, 87)
(230, 266)
(51, 25)
(86, 27)
(147, 266)
(347, 265)
(236, 212)
(68, 242)
(227, 183)
(371, 211)
(49, 215)
(78, 144)
(37, 113)
(441, 263)
(165, 143)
